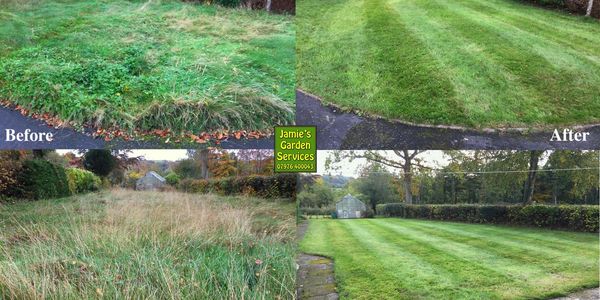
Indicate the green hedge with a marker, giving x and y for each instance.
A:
(40, 179)
(82, 181)
(276, 186)
(570, 217)
(316, 211)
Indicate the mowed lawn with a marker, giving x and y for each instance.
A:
(497, 63)
(416, 259)
(145, 65)
(122, 244)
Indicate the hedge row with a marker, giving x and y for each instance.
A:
(40, 179)
(570, 217)
(82, 181)
(315, 211)
(276, 186)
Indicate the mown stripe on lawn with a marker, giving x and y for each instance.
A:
(322, 65)
(406, 69)
(558, 239)
(360, 275)
(563, 36)
(554, 85)
(421, 265)
(556, 20)
(482, 85)
(496, 248)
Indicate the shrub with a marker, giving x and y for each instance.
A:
(571, 217)
(276, 186)
(82, 181)
(41, 179)
(317, 211)
(172, 179)
(9, 170)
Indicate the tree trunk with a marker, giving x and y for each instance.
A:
(204, 163)
(408, 196)
(534, 159)
(589, 8)
(268, 6)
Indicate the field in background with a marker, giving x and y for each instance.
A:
(145, 65)
(415, 259)
(122, 243)
(497, 63)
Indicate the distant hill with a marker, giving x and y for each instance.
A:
(337, 181)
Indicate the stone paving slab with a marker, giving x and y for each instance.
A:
(315, 279)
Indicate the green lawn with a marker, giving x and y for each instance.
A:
(144, 65)
(415, 259)
(497, 63)
(124, 244)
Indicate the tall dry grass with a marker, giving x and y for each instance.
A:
(133, 245)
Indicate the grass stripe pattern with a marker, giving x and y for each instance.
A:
(497, 63)
(418, 259)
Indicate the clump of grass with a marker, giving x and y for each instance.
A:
(114, 64)
(126, 244)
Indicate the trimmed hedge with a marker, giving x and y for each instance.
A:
(571, 217)
(40, 179)
(316, 211)
(276, 186)
(82, 181)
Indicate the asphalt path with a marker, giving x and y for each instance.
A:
(68, 138)
(341, 130)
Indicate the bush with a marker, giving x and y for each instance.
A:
(317, 211)
(82, 181)
(570, 217)
(276, 186)
(41, 179)
(172, 179)
(10, 167)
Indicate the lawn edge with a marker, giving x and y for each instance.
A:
(164, 136)
(522, 130)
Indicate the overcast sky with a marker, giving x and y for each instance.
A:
(151, 154)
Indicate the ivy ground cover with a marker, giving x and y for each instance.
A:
(148, 65)
(416, 259)
(497, 63)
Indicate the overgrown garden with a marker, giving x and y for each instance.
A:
(72, 226)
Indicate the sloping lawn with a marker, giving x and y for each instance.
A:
(497, 63)
(124, 244)
(146, 65)
(415, 259)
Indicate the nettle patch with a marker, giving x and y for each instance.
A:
(136, 67)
